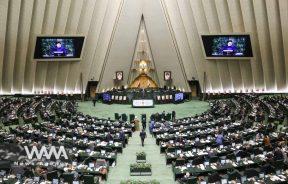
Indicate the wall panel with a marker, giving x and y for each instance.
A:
(283, 6)
(36, 28)
(238, 26)
(264, 43)
(173, 28)
(71, 28)
(59, 29)
(105, 41)
(22, 44)
(10, 45)
(48, 29)
(3, 22)
(274, 24)
(226, 27)
(214, 27)
(83, 28)
(250, 27)
(181, 39)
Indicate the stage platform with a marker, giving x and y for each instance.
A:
(158, 95)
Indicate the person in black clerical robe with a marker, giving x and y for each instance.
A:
(143, 136)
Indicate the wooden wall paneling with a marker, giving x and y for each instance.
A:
(233, 65)
(59, 29)
(192, 36)
(122, 44)
(163, 44)
(23, 44)
(181, 38)
(71, 28)
(10, 45)
(105, 40)
(202, 22)
(264, 43)
(36, 28)
(199, 25)
(97, 22)
(250, 26)
(4, 4)
(283, 6)
(218, 65)
(274, 24)
(73, 74)
(48, 28)
(83, 28)
(238, 27)
(180, 22)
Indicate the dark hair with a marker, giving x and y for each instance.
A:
(59, 42)
(229, 41)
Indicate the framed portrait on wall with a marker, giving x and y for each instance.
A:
(119, 75)
(167, 75)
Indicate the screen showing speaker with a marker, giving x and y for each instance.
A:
(167, 75)
(58, 47)
(227, 46)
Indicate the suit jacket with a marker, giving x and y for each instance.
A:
(143, 135)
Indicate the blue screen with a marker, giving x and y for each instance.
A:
(106, 97)
(179, 97)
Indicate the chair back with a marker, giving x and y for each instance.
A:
(68, 177)
(88, 179)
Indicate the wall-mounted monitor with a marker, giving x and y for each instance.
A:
(227, 46)
(59, 48)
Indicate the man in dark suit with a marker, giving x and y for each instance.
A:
(122, 137)
(94, 101)
(173, 115)
(142, 136)
(143, 119)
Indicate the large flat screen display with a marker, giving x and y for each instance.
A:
(58, 47)
(106, 97)
(227, 46)
(179, 97)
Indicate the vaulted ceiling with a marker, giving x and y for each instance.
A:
(173, 27)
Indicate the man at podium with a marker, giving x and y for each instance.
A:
(59, 50)
(229, 49)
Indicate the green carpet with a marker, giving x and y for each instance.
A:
(105, 111)
(160, 171)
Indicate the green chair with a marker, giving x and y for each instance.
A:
(52, 175)
(88, 179)
(68, 177)
(124, 117)
(192, 180)
(131, 117)
(116, 116)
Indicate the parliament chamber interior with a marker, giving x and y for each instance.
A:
(143, 91)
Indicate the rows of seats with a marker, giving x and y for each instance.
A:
(91, 144)
(231, 142)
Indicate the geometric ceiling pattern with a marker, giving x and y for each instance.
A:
(173, 27)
